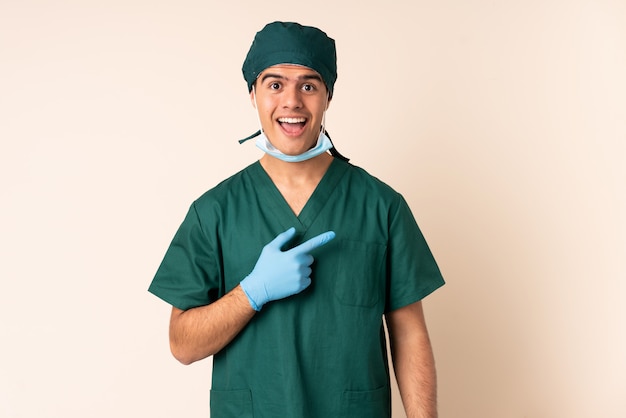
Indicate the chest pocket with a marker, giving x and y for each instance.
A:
(360, 273)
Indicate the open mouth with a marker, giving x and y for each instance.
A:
(292, 126)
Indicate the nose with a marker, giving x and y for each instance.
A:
(292, 98)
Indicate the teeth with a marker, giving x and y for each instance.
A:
(291, 120)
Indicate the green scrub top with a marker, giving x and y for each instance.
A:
(322, 352)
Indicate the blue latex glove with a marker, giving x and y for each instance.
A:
(278, 274)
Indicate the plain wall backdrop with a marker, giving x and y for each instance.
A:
(503, 123)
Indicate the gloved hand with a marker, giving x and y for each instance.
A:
(278, 274)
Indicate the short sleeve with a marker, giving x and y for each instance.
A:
(188, 275)
(412, 270)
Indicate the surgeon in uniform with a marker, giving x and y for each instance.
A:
(285, 271)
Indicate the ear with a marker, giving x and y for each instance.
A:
(328, 102)
(252, 98)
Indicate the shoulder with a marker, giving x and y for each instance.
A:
(226, 188)
(360, 179)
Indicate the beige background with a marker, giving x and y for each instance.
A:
(502, 122)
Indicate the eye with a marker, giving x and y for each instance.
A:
(274, 86)
(308, 87)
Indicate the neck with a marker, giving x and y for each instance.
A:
(296, 181)
(304, 171)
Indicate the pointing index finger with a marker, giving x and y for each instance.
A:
(315, 242)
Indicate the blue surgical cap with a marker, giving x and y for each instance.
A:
(291, 43)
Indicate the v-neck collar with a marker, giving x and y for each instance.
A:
(275, 200)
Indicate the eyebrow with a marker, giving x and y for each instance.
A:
(302, 77)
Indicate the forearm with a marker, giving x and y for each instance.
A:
(414, 367)
(203, 331)
(413, 361)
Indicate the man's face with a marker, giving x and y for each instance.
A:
(291, 101)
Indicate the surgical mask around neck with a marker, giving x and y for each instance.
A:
(263, 143)
(323, 145)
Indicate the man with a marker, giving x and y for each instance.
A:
(284, 271)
